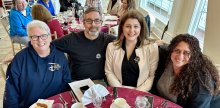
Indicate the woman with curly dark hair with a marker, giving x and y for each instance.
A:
(190, 79)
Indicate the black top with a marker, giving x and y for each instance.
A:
(86, 57)
(130, 69)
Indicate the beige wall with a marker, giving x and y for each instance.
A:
(212, 34)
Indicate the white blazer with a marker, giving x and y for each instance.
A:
(149, 57)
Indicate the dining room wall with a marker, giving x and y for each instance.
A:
(212, 38)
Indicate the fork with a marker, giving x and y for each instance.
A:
(73, 97)
(63, 101)
(164, 104)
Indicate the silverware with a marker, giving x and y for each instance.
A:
(115, 92)
(63, 101)
(164, 104)
(73, 97)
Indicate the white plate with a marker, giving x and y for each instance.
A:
(49, 103)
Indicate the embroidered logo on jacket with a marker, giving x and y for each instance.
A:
(54, 66)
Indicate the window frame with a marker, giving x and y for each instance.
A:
(145, 6)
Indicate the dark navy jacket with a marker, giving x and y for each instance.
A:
(31, 77)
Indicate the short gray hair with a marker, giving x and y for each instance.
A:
(38, 24)
(92, 9)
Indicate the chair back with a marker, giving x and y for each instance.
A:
(54, 35)
(164, 30)
(147, 19)
(5, 23)
(7, 5)
(5, 63)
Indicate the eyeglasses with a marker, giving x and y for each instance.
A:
(43, 37)
(185, 53)
(96, 21)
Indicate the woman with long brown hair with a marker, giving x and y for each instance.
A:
(189, 79)
(39, 12)
(132, 59)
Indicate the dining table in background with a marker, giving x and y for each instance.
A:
(128, 94)
(76, 24)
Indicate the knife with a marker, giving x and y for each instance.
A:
(74, 96)
(115, 92)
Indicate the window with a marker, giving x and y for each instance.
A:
(161, 9)
(198, 21)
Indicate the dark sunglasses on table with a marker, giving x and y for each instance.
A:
(96, 21)
(43, 37)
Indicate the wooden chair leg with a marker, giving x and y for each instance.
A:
(2, 71)
(20, 46)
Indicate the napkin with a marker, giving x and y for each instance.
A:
(75, 86)
(49, 103)
(94, 91)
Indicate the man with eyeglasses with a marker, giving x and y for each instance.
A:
(36, 72)
(86, 49)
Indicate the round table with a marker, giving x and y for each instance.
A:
(128, 94)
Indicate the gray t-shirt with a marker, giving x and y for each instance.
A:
(165, 82)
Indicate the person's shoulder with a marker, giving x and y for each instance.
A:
(59, 53)
(28, 8)
(113, 46)
(107, 36)
(21, 54)
(73, 35)
(53, 21)
(149, 43)
(13, 12)
(55, 51)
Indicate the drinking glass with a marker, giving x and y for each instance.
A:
(97, 102)
(141, 102)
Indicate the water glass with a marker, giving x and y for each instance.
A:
(97, 102)
(141, 102)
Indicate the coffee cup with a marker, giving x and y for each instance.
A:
(120, 103)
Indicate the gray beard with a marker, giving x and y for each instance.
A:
(93, 33)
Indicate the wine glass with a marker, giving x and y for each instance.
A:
(97, 102)
(141, 102)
